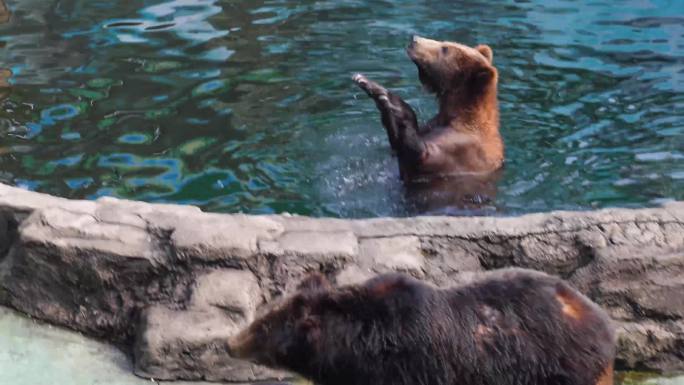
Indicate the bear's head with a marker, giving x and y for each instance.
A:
(326, 333)
(445, 67)
(288, 331)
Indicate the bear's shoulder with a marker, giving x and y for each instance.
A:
(393, 283)
(397, 292)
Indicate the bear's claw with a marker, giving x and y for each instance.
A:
(372, 88)
(359, 79)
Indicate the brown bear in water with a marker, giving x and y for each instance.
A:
(511, 327)
(464, 136)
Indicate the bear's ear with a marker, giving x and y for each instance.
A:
(483, 76)
(314, 282)
(486, 51)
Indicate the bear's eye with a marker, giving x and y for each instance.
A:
(445, 49)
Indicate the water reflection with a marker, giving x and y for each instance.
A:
(4, 12)
(247, 106)
(5, 75)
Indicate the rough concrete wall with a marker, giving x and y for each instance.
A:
(173, 283)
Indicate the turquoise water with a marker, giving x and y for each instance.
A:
(247, 105)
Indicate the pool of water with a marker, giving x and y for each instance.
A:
(248, 106)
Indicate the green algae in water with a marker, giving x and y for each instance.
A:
(88, 94)
(161, 66)
(159, 113)
(264, 76)
(103, 83)
(196, 145)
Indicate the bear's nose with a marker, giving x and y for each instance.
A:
(414, 41)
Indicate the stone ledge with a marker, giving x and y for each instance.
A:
(174, 282)
(191, 344)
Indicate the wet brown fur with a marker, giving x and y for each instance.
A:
(5, 88)
(5, 14)
(464, 136)
(607, 376)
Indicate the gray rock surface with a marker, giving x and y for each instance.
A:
(173, 283)
(35, 353)
(191, 344)
(400, 253)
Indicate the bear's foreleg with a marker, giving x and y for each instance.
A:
(398, 118)
(389, 115)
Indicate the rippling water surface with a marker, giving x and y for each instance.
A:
(247, 105)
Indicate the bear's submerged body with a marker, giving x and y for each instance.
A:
(512, 327)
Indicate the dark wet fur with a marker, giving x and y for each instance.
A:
(400, 123)
(507, 329)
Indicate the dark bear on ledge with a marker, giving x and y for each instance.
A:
(512, 327)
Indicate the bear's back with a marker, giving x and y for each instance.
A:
(520, 326)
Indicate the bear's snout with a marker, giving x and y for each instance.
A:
(241, 346)
(413, 41)
(422, 50)
(412, 45)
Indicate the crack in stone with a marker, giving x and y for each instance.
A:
(524, 235)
